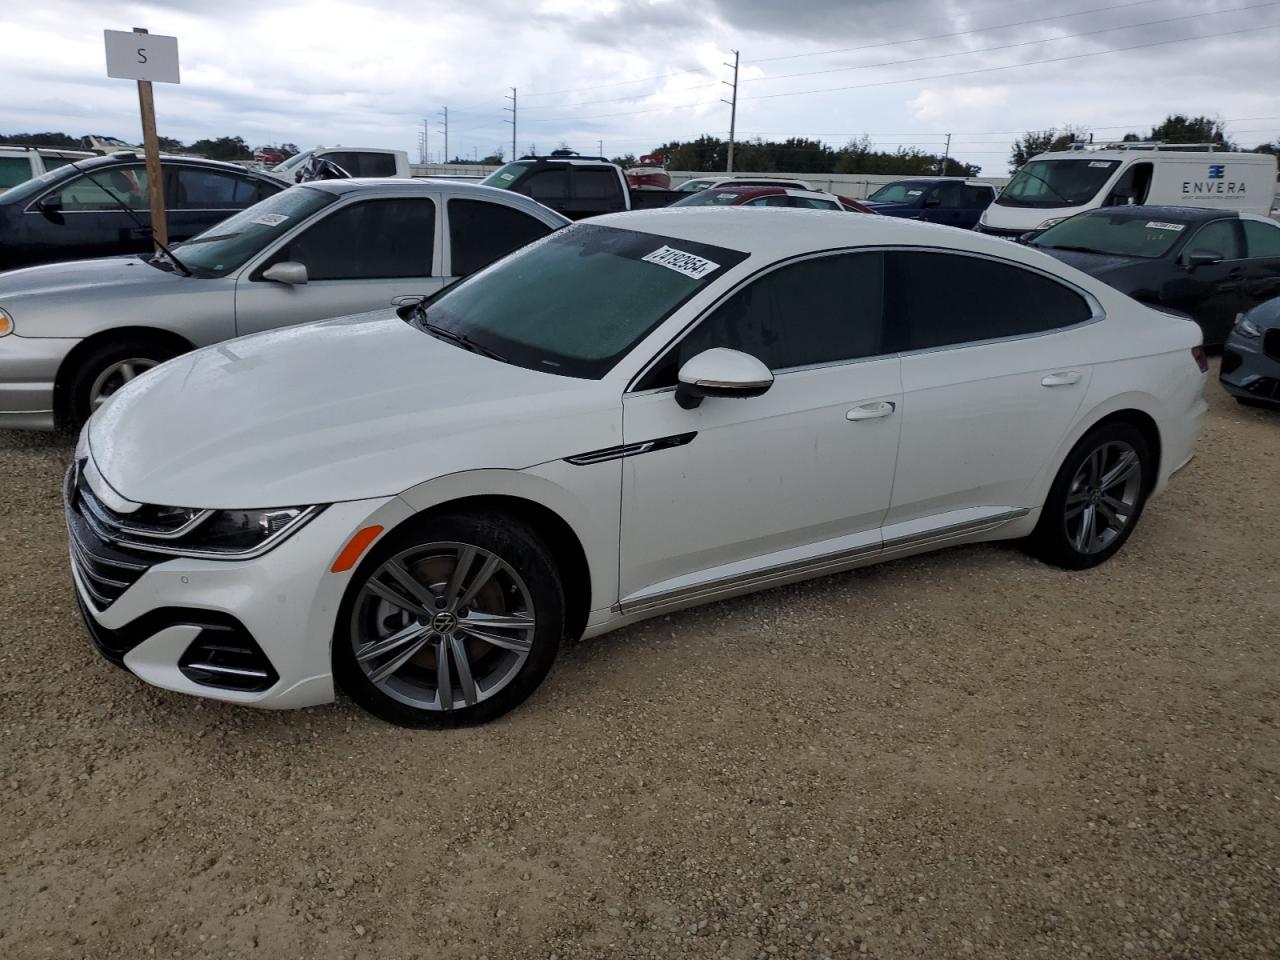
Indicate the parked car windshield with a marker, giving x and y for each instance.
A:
(577, 301)
(898, 193)
(1057, 183)
(715, 197)
(506, 176)
(227, 245)
(693, 186)
(1115, 234)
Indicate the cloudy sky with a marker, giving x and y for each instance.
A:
(626, 75)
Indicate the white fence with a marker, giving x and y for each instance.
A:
(854, 185)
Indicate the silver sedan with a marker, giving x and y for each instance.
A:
(71, 334)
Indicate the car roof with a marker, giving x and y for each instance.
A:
(1169, 212)
(776, 232)
(128, 156)
(422, 185)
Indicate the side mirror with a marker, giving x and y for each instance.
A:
(286, 271)
(1202, 258)
(721, 372)
(50, 203)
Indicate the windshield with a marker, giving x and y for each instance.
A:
(575, 302)
(711, 198)
(29, 188)
(898, 193)
(693, 186)
(223, 247)
(1115, 234)
(1057, 183)
(505, 177)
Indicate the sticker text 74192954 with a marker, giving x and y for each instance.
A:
(681, 262)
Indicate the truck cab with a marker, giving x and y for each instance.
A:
(355, 161)
(1054, 186)
(575, 186)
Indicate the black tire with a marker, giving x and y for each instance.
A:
(532, 571)
(76, 402)
(1057, 536)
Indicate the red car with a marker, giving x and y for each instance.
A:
(729, 196)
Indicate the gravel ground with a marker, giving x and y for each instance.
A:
(965, 754)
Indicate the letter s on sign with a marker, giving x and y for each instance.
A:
(142, 54)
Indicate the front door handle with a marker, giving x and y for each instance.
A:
(872, 411)
(1064, 378)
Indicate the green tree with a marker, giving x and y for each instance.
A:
(224, 148)
(1180, 129)
(170, 145)
(1042, 141)
(47, 139)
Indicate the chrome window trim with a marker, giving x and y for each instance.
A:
(1096, 311)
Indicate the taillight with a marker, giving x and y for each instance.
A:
(1201, 358)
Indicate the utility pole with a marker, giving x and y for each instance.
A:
(512, 110)
(733, 106)
(445, 128)
(599, 148)
(426, 140)
(945, 155)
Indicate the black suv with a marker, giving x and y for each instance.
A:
(72, 212)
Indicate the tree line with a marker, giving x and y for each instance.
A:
(1176, 128)
(220, 148)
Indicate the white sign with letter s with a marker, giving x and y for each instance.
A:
(141, 56)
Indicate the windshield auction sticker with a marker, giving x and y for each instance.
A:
(1157, 225)
(271, 219)
(681, 262)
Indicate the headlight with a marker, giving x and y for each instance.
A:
(1246, 327)
(1050, 222)
(234, 532)
(6, 323)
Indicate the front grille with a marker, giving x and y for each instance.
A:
(105, 570)
(1271, 343)
(1002, 233)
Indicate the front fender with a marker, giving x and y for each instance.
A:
(586, 498)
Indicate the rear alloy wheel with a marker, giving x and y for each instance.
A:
(457, 626)
(1096, 499)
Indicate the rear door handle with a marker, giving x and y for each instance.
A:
(1064, 378)
(872, 411)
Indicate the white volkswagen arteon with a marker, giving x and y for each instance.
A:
(636, 414)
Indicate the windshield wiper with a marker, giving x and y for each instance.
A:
(461, 339)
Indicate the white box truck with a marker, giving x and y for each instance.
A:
(1057, 185)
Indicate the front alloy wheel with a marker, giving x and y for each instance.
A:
(455, 627)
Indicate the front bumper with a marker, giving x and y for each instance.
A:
(184, 624)
(1003, 234)
(1251, 367)
(28, 371)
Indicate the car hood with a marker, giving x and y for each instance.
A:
(1094, 264)
(890, 209)
(343, 409)
(78, 276)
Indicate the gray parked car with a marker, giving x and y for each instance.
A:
(72, 333)
(1251, 356)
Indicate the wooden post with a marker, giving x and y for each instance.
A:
(151, 147)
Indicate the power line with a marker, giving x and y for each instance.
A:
(1011, 46)
(936, 76)
(934, 56)
(958, 33)
(1014, 66)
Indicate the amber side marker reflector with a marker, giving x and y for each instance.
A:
(355, 547)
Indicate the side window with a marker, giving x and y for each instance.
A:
(480, 232)
(978, 198)
(824, 310)
(265, 188)
(369, 240)
(776, 200)
(347, 160)
(950, 196)
(1261, 239)
(210, 190)
(547, 186)
(375, 165)
(127, 184)
(1221, 237)
(815, 203)
(1132, 187)
(596, 185)
(16, 170)
(935, 299)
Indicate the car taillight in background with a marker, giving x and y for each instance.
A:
(1201, 359)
